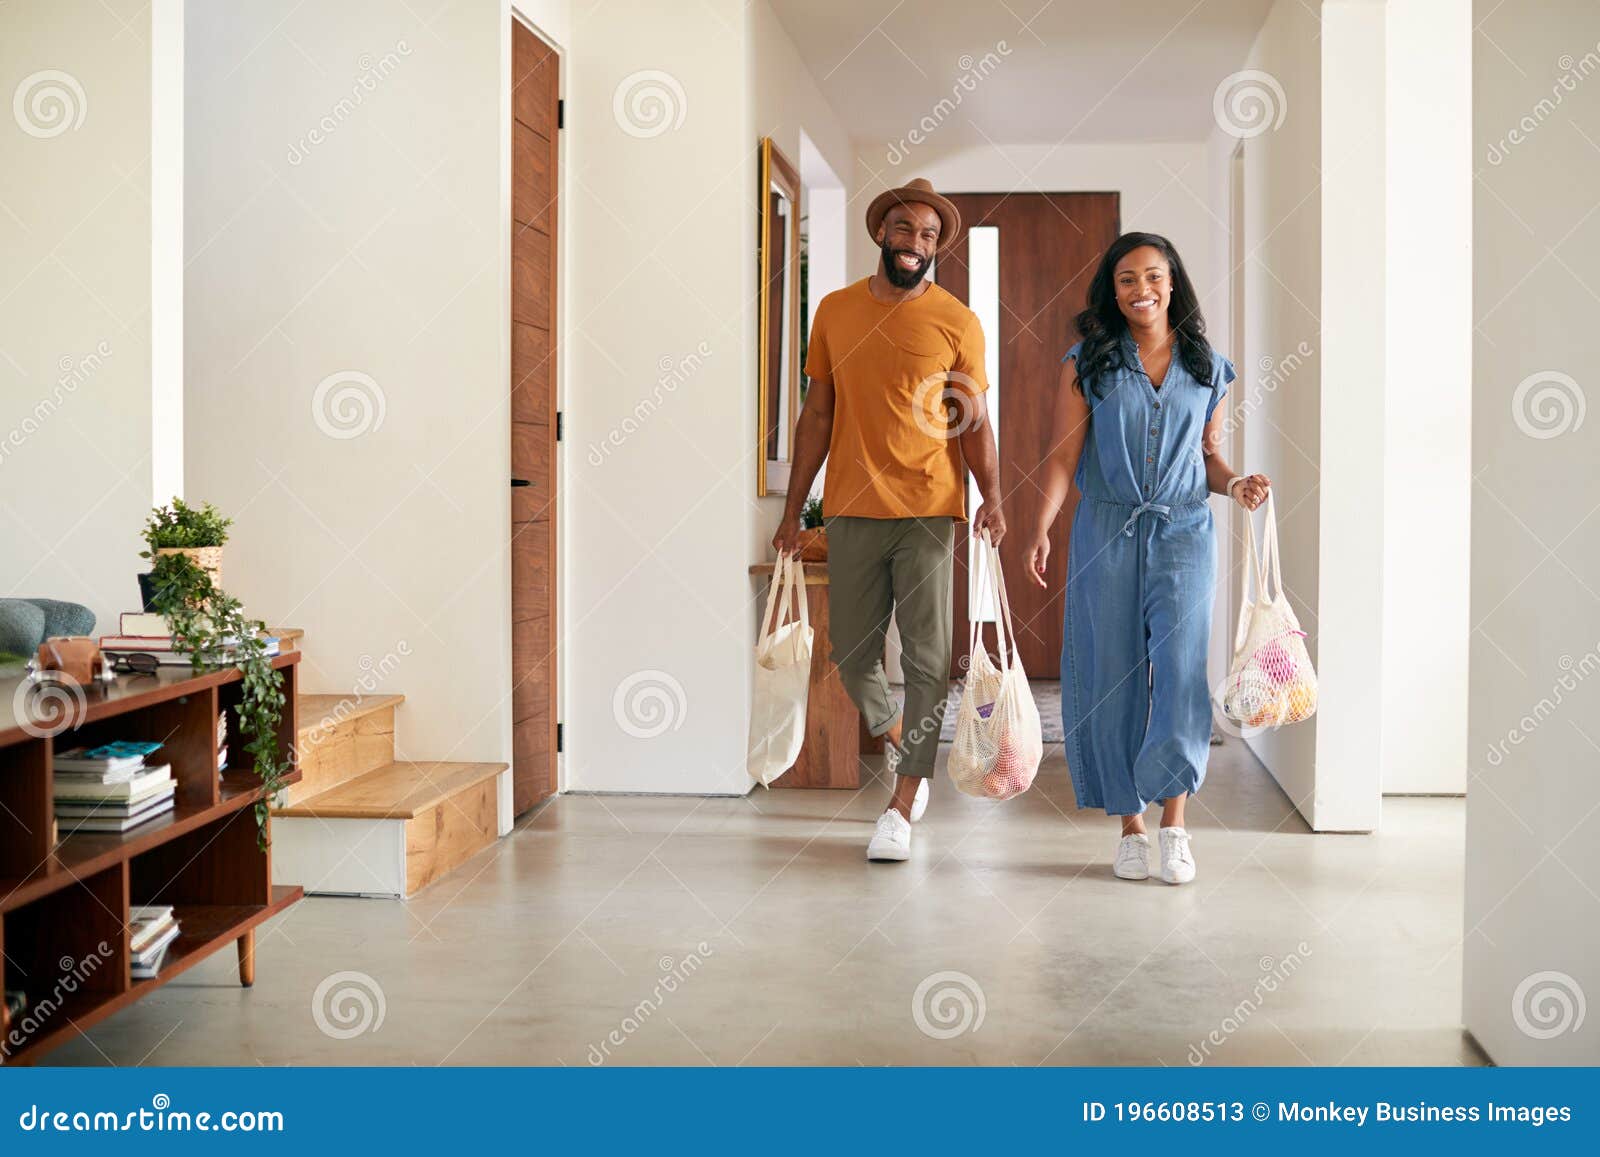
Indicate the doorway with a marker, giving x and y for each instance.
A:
(535, 421)
(1036, 264)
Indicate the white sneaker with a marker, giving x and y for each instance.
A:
(892, 839)
(1177, 862)
(920, 803)
(1133, 858)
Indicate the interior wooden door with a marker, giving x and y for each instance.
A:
(1049, 244)
(535, 97)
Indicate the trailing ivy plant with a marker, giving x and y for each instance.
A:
(811, 513)
(209, 624)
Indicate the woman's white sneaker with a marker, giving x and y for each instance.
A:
(1177, 861)
(920, 803)
(1133, 858)
(892, 838)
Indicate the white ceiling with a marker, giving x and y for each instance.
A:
(1076, 70)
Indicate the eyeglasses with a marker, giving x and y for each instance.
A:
(139, 664)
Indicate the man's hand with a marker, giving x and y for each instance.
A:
(787, 540)
(991, 518)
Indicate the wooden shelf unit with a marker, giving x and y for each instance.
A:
(64, 908)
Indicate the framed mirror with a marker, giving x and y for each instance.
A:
(778, 372)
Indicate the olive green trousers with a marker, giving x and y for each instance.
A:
(901, 565)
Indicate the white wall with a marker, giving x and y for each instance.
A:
(1278, 395)
(791, 108)
(1427, 416)
(1351, 496)
(1533, 869)
(344, 217)
(660, 473)
(75, 301)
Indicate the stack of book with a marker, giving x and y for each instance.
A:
(151, 931)
(142, 633)
(111, 788)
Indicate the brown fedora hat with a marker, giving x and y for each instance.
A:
(917, 192)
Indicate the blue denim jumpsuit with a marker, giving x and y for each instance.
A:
(1141, 574)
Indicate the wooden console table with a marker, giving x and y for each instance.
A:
(830, 756)
(64, 906)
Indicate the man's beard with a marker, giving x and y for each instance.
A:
(902, 278)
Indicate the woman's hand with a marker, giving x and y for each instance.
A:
(1038, 558)
(1251, 490)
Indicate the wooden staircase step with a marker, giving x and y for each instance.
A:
(341, 737)
(403, 790)
(327, 712)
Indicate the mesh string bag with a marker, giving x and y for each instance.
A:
(1270, 680)
(998, 740)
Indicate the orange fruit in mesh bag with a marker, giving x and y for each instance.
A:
(1301, 702)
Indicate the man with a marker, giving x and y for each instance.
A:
(896, 407)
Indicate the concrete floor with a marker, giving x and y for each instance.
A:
(666, 930)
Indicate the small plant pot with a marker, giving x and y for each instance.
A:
(207, 558)
(814, 544)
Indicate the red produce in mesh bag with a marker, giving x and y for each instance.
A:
(998, 740)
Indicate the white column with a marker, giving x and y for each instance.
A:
(1427, 412)
(1347, 792)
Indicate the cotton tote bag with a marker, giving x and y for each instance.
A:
(998, 740)
(1270, 679)
(783, 675)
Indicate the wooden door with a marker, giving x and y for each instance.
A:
(534, 421)
(1049, 246)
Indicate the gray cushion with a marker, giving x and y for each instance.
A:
(25, 623)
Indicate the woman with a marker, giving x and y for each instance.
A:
(1138, 427)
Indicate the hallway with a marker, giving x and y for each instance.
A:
(751, 931)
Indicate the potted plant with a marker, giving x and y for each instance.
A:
(197, 532)
(210, 626)
(813, 534)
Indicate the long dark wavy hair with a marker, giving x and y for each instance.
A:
(1103, 326)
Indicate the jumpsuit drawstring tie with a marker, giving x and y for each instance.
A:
(1153, 507)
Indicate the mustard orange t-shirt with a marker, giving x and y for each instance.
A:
(894, 451)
